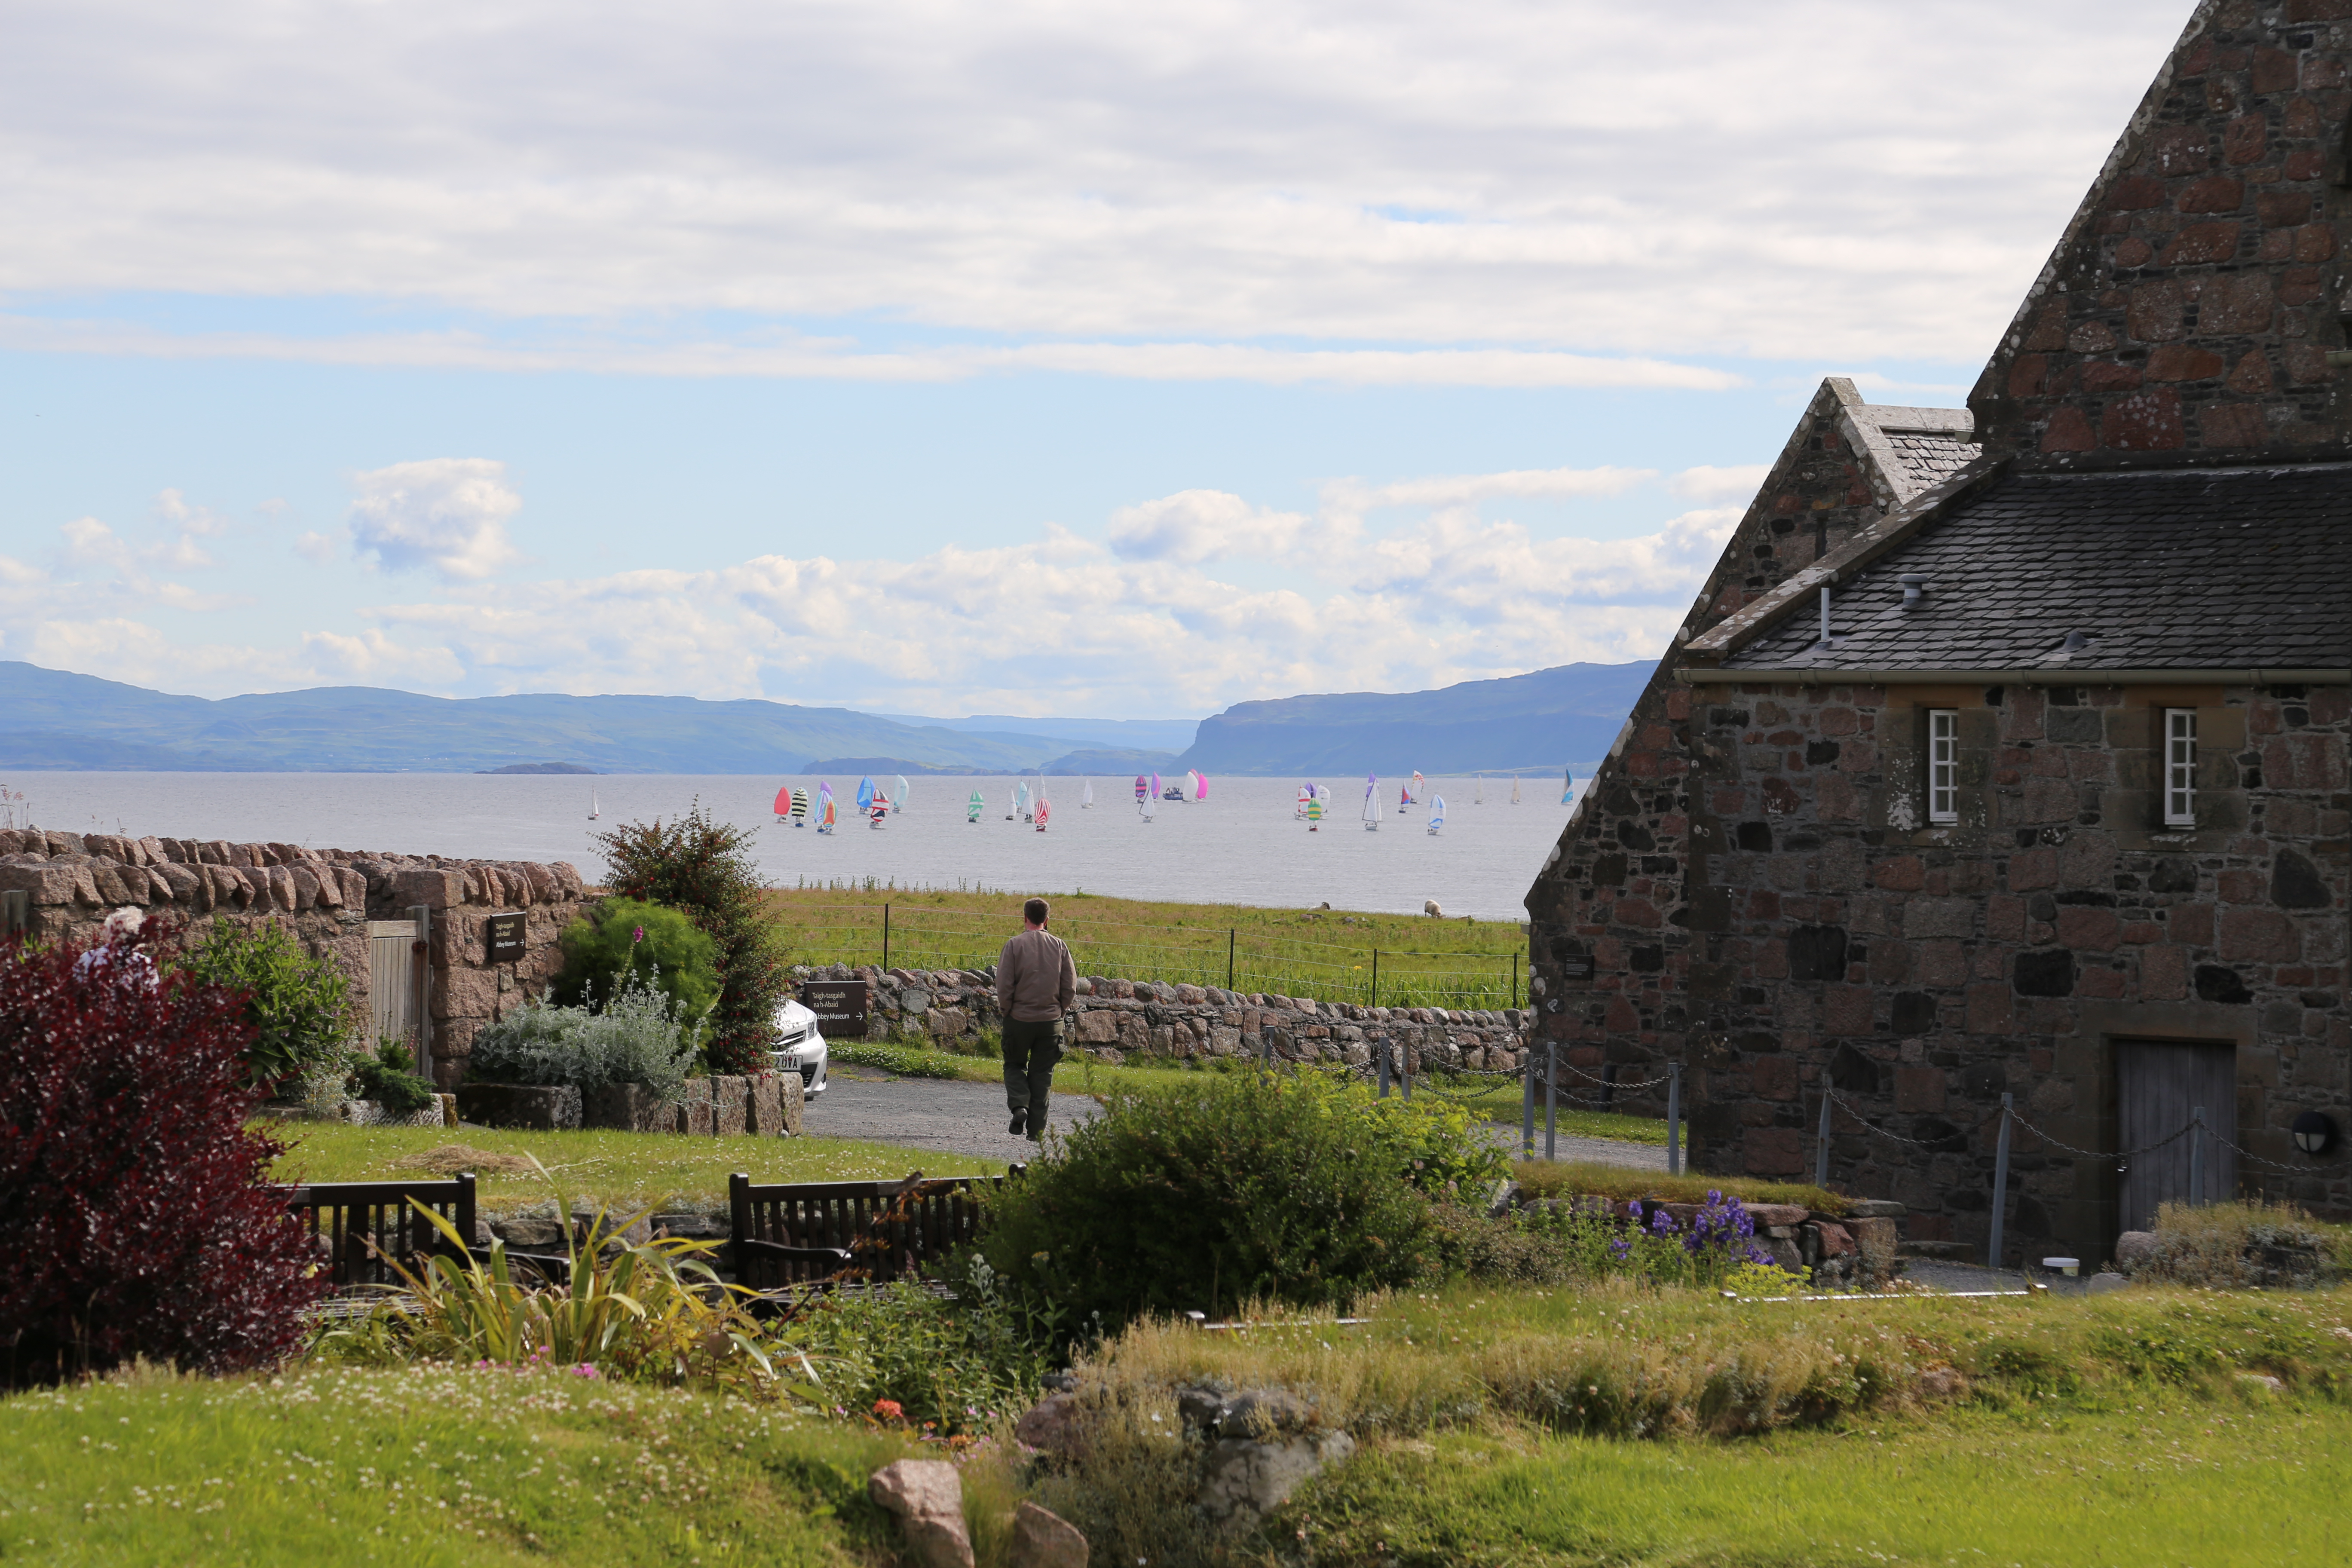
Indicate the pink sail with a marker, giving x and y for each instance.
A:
(784, 801)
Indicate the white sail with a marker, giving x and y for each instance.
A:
(898, 800)
(1515, 789)
(1372, 810)
(594, 811)
(1478, 791)
(1086, 800)
(1436, 813)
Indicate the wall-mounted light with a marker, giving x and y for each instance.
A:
(2314, 1131)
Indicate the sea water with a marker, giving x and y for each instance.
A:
(1243, 845)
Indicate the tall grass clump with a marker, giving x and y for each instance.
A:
(2243, 1245)
(1198, 1194)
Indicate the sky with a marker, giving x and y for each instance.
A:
(1021, 358)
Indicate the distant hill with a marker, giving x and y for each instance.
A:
(1079, 764)
(1570, 713)
(52, 719)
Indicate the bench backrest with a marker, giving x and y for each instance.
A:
(343, 1217)
(891, 1228)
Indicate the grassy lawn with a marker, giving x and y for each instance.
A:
(632, 1169)
(426, 1466)
(1323, 953)
(2190, 1481)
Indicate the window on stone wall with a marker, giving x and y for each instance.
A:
(1943, 764)
(2181, 767)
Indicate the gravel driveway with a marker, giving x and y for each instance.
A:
(927, 1113)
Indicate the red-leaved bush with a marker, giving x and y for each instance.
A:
(134, 1217)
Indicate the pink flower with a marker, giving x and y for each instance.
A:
(637, 936)
(585, 1369)
(889, 1410)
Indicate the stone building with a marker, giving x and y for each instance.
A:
(2048, 796)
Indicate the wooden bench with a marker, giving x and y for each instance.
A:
(361, 1228)
(788, 1239)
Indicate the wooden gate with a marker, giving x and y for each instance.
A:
(2159, 1085)
(392, 980)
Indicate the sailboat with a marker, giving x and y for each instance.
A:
(1412, 793)
(1436, 813)
(1045, 811)
(1478, 791)
(783, 803)
(825, 823)
(1312, 812)
(865, 795)
(1306, 799)
(898, 800)
(1021, 799)
(1147, 795)
(974, 806)
(1568, 786)
(1515, 789)
(1087, 801)
(800, 809)
(1372, 802)
(1405, 798)
(1197, 785)
(594, 811)
(876, 809)
(1014, 795)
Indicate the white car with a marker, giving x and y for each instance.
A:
(801, 1048)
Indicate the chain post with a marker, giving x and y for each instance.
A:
(1821, 1152)
(1999, 1183)
(1674, 1119)
(2197, 1157)
(1232, 938)
(1528, 1107)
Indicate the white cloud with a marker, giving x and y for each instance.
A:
(446, 514)
(321, 549)
(1193, 526)
(1708, 483)
(1465, 490)
(1144, 190)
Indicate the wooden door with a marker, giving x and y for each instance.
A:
(2159, 1085)
(391, 981)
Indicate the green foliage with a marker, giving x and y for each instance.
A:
(385, 1079)
(631, 943)
(704, 869)
(905, 1061)
(1208, 1191)
(636, 1040)
(300, 1007)
(955, 1366)
(2243, 1244)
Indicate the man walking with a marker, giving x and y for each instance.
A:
(1035, 983)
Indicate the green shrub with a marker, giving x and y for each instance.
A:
(636, 1040)
(386, 1079)
(1210, 1190)
(300, 1007)
(705, 870)
(953, 1365)
(2238, 1245)
(630, 943)
(903, 1060)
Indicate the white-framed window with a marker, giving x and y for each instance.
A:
(2181, 767)
(1943, 764)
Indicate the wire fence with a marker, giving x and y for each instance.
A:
(1235, 958)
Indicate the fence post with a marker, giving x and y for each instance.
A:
(1232, 939)
(1515, 979)
(1674, 1119)
(886, 936)
(2197, 1157)
(1527, 1108)
(1551, 1097)
(1999, 1183)
(1384, 1070)
(1376, 979)
(1822, 1141)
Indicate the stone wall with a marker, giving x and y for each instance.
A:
(1120, 1018)
(326, 897)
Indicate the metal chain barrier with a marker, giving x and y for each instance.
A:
(2258, 1160)
(1847, 1106)
(2096, 1155)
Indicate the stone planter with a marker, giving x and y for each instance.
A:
(371, 1113)
(534, 1108)
(629, 1107)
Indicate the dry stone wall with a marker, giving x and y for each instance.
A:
(326, 897)
(1118, 1019)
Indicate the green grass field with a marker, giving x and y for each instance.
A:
(624, 1169)
(1325, 954)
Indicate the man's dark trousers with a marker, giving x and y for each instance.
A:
(1031, 1050)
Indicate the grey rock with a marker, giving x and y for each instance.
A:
(2100, 1284)
(1263, 1412)
(1876, 1208)
(927, 1497)
(1243, 1479)
(1054, 1424)
(538, 1108)
(2134, 1247)
(630, 1107)
(1043, 1539)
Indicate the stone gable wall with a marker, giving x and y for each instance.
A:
(2189, 310)
(326, 897)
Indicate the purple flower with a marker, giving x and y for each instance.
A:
(637, 936)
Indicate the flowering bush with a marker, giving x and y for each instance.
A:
(1719, 1238)
(137, 1220)
(300, 1007)
(631, 944)
(636, 1040)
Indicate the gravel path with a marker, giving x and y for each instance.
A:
(927, 1113)
(969, 1118)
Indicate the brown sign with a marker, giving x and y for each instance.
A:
(502, 939)
(839, 1006)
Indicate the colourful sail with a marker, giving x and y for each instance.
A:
(1202, 792)
(1567, 786)
(1436, 813)
(799, 807)
(1306, 799)
(1314, 811)
(784, 802)
(1142, 786)
(865, 794)
(1045, 811)
(974, 806)
(1420, 789)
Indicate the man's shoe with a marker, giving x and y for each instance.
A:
(1020, 1123)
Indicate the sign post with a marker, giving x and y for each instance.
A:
(502, 939)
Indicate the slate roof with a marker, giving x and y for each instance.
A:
(2208, 569)
(1930, 456)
